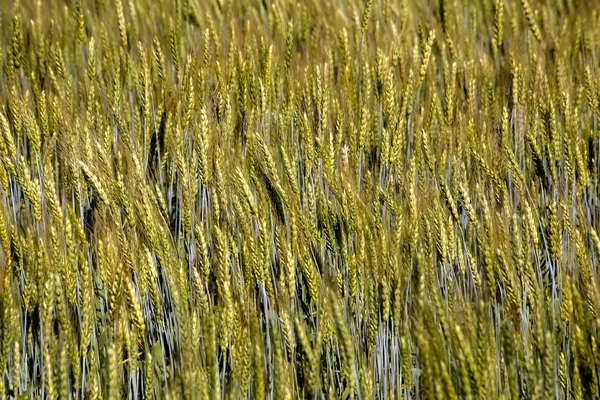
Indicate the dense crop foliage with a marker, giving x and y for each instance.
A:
(226, 199)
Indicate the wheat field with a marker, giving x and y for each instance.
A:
(316, 199)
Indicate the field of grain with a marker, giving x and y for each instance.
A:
(316, 199)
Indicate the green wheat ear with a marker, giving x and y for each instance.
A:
(17, 42)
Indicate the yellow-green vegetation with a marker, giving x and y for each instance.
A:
(341, 199)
